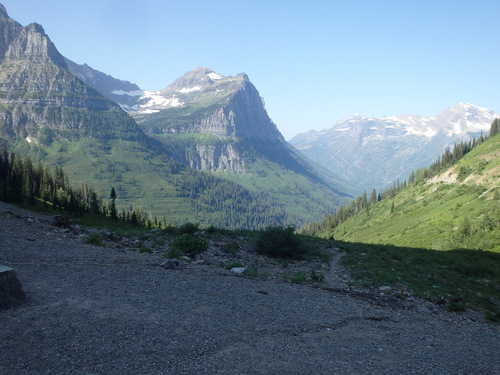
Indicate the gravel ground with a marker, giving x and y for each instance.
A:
(94, 310)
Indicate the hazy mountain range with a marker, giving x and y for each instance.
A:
(375, 152)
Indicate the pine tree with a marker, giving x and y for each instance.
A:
(373, 197)
(112, 207)
(495, 127)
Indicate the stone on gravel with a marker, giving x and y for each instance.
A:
(170, 264)
(238, 270)
(11, 291)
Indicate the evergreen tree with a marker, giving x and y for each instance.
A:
(112, 207)
(495, 127)
(373, 197)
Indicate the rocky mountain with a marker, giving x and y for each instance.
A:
(55, 110)
(375, 152)
(217, 113)
(104, 83)
(40, 100)
(220, 124)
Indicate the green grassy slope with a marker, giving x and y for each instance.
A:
(151, 181)
(460, 208)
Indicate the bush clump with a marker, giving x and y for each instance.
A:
(189, 228)
(95, 238)
(189, 244)
(281, 242)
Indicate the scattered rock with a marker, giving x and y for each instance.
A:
(385, 289)
(238, 270)
(11, 291)
(401, 287)
(61, 222)
(170, 264)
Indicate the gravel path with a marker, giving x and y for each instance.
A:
(94, 310)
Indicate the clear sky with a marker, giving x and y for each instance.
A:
(315, 62)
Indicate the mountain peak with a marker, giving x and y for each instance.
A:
(36, 28)
(195, 80)
(3, 12)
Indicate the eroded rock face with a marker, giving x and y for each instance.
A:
(40, 99)
(11, 291)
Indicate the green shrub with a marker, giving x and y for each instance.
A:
(189, 228)
(317, 277)
(299, 277)
(173, 253)
(281, 242)
(94, 238)
(254, 273)
(189, 244)
(231, 248)
(142, 248)
(170, 229)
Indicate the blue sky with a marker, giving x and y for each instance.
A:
(315, 62)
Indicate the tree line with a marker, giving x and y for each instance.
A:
(363, 202)
(22, 181)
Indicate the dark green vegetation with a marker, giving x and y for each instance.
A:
(21, 181)
(456, 279)
(284, 243)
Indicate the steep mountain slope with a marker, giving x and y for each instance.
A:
(220, 124)
(459, 208)
(40, 100)
(48, 111)
(103, 83)
(375, 152)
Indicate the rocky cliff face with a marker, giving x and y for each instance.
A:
(38, 95)
(202, 103)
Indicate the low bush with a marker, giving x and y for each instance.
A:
(189, 244)
(189, 228)
(174, 253)
(316, 277)
(95, 238)
(299, 277)
(281, 242)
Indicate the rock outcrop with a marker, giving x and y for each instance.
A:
(11, 291)
(41, 99)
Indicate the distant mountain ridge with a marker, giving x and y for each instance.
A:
(375, 152)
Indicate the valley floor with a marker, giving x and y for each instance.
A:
(94, 310)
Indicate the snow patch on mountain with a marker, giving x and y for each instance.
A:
(129, 93)
(214, 76)
(190, 89)
(155, 101)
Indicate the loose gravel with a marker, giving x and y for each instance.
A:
(94, 310)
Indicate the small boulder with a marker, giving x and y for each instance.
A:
(385, 289)
(11, 290)
(238, 270)
(170, 264)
